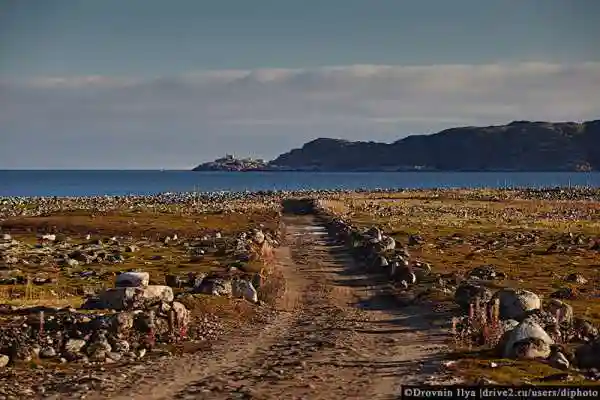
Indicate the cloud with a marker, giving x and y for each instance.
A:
(178, 121)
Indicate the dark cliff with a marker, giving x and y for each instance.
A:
(518, 146)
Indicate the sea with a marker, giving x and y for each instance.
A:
(39, 183)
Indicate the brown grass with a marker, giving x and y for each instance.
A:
(159, 260)
(148, 224)
(466, 229)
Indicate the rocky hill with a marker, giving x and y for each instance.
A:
(518, 146)
(232, 164)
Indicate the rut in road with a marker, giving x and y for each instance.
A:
(343, 338)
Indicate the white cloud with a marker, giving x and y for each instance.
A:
(184, 119)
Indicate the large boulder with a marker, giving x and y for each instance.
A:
(528, 340)
(129, 298)
(133, 279)
(515, 303)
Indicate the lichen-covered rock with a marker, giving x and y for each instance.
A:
(515, 303)
(387, 243)
(576, 278)
(216, 287)
(562, 311)
(129, 298)
(74, 345)
(527, 340)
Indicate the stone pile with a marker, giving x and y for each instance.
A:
(379, 252)
(124, 322)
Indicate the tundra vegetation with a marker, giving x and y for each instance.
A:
(89, 282)
(515, 273)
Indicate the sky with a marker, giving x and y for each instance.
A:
(151, 84)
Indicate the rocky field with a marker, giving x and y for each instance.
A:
(518, 269)
(95, 281)
(211, 296)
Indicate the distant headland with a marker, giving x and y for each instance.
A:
(517, 146)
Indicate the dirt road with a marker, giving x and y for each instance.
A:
(338, 337)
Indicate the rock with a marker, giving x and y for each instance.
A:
(588, 355)
(558, 360)
(48, 352)
(258, 236)
(6, 237)
(387, 243)
(486, 272)
(242, 288)
(113, 356)
(469, 293)
(174, 281)
(120, 346)
(133, 279)
(414, 240)
(584, 330)
(379, 263)
(128, 298)
(131, 248)
(562, 311)
(515, 303)
(375, 234)
(4, 360)
(421, 270)
(98, 349)
(576, 278)
(122, 322)
(69, 262)
(74, 345)
(527, 340)
(182, 315)
(216, 287)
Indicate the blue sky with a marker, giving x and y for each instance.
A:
(168, 84)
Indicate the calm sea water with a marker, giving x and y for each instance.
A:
(91, 183)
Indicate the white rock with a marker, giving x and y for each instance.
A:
(120, 298)
(525, 330)
(561, 310)
(4, 360)
(133, 279)
(49, 237)
(515, 303)
(182, 315)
